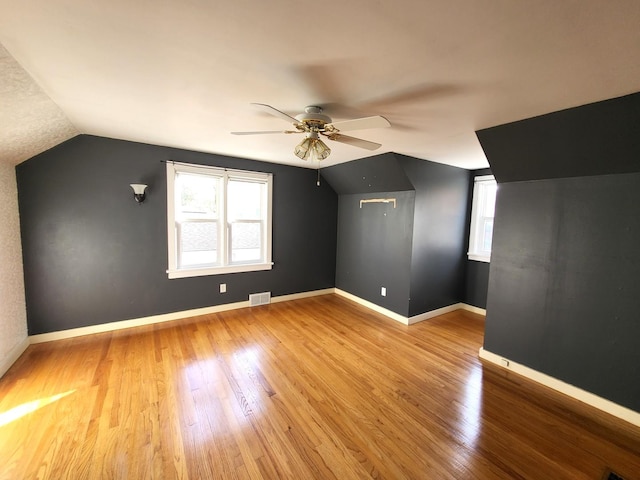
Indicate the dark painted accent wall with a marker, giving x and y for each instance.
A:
(476, 284)
(438, 251)
(565, 282)
(381, 173)
(477, 273)
(596, 139)
(92, 255)
(564, 290)
(415, 251)
(374, 249)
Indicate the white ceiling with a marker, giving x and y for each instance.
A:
(182, 72)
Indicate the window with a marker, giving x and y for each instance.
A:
(482, 213)
(218, 220)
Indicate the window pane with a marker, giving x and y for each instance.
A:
(246, 241)
(487, 234)
(482, 215)
(489, 199)
(198, 243)
(244, 200)
(197, 195)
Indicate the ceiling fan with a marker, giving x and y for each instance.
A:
(314, 123)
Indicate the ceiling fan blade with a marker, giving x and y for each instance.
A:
(356, 142)
(275, 112)
(359, 124)
(265, 132)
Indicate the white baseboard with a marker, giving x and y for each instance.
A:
(372, 306)
(600, 403)
(137, 322)
(13, 355)
(434, 313)
(297, 296)
(471, 308)
(410, 320)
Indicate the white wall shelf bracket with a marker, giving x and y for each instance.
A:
(379, 200)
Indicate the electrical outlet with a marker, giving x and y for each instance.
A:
(223, 288)
(383, 291)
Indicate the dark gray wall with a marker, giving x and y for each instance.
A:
(476, 284)
(476, 272)
(439, 246)
(563, 286)
(92, 255)
(417, 250)
(595, 139)
(374, 249)
(381, 173)
(565, 282)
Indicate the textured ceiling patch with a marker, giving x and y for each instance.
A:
(30, 122)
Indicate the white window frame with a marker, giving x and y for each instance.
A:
(224, 244)
(476, 251)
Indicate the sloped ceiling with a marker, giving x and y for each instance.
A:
(382, 173)
(182, 73)
(30, 122)
(597, 139)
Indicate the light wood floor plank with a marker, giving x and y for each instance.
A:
(314, 388)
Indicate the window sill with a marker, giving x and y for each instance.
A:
(201, 272)
(479, 257)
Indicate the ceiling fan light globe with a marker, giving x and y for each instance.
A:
(302, 149)
(319, 150)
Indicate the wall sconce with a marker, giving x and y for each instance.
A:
(139, 191)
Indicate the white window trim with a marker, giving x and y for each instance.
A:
(479, 258)
(173, 271)
(473, 253)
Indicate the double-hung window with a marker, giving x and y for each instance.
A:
(482, 213)
(218, 220)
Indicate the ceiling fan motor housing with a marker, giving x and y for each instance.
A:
(313, 117)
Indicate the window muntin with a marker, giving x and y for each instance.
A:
(219, 221)
(482, 215)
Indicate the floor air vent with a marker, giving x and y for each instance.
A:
(609, 475)
(256, 299)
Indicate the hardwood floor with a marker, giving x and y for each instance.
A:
(314, 388)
